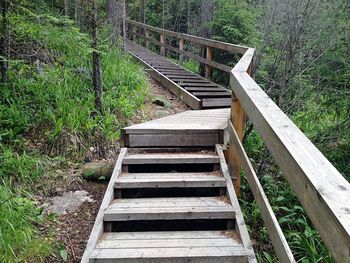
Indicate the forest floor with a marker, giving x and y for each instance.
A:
(72, 229)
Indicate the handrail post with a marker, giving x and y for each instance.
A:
(147, 38)
(233, 160)
(209, 56)
(181, 48)
(162, 44)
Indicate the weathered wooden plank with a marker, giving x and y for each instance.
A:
(109, 195)
(321, 189)
(188, 79)
(202, 85)
(185, 96)
(222, 102)
(168, 209)
(215, 234)
(169, 180)
(212, 94)
(179, 74)
(170, 158)
(240, 224)
(172, 243)
(171, 255)
(168, 202)
(275, 232)
(188, 122)
(205, 89)
(201, 139)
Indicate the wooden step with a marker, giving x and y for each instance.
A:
(171, 158)
(212, 103)
(169, 246)
(169, 209)
(169, 180)
(223, 94)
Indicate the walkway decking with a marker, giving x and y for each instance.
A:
(187, 129)
(196, 91)
(171, 199)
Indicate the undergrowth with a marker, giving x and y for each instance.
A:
(47, 109)
(303, 239)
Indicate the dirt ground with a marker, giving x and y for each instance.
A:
(72, 230)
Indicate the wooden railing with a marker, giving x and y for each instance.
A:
(143, 32)
(321, 189)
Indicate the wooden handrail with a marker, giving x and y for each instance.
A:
(208, 43)
(321, 189)
(199, 40)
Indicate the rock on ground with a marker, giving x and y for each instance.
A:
(68, 202)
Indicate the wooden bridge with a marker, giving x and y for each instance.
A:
(173, 193)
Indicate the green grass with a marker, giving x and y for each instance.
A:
(47, 110)
(188, 64)
(303, 239)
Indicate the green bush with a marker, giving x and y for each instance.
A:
(47, 109)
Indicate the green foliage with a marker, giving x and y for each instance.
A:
(232, 23)
(20, 241)
(52, 91)
(191, 65)
(48, 108)
(303, 239)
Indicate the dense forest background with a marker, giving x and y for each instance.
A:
(67, 87)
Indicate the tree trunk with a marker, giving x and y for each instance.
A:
(77, 12)
(95, 171)
(66, 8)
(163, 15)
(144, 2)
(5, 41)
(207, 10)
(124, 25)
(96, 67)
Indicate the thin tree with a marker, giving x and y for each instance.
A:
(5, 40)
(96, 64)
(66, 8)
(207, 11)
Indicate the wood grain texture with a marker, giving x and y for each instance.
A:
(170, 158)
(107, 199)
(169, 209)
(279, 242)
(169, 180)
(321, 189)
(240, 224)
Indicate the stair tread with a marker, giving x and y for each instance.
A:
(171, 245)
(169, 208)
(140, 180)
(144, 158)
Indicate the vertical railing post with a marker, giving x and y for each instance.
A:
(209, 55)
(233, 161)
(146, 38)
(162, 44)
(238, 122)
(181, 48)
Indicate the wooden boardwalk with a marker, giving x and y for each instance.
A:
(171, 196)
(194, 90)
(171, 199)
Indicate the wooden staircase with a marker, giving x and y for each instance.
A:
(170, 205)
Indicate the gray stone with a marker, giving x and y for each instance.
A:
(161, 114)
(162, 102)
(68, 202)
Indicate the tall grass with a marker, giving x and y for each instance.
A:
(47, 109)
(302, 237)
